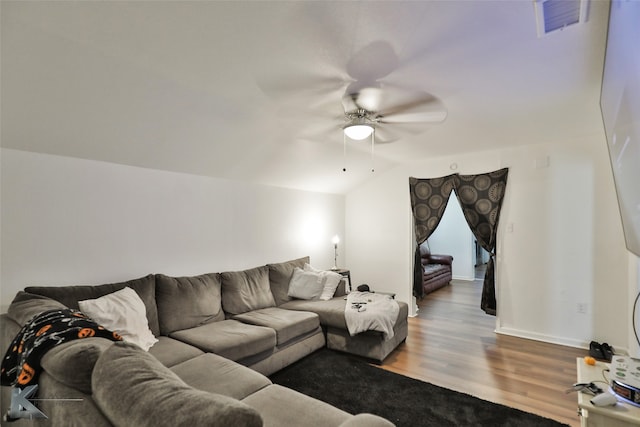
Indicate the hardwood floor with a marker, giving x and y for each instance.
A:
(452, 343)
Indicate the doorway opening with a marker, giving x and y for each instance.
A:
(453, 237)
(480, 197)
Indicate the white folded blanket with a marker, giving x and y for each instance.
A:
(366, 311)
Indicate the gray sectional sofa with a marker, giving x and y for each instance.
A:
(219, 336)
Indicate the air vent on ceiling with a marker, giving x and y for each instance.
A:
(554, 15)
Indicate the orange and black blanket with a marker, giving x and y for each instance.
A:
(21, 364)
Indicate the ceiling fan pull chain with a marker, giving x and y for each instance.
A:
(373, 142)
(344, 152)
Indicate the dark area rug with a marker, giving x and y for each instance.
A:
(351, 384)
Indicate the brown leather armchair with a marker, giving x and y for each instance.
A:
(436, 270)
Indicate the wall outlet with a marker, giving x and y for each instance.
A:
(582, 307)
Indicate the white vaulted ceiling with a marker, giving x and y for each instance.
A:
(245, 90)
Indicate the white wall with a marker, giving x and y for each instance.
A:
(454, 237)
(565, 250)
(72, 221)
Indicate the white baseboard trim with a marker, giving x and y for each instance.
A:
(569, 342)
(465, 278)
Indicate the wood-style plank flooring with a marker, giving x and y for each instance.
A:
(452, 343)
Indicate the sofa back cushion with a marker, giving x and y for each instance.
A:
(187, 302)
(280, 276)
(246, 290)
(145, 287)
(132, 388)
(26, 306)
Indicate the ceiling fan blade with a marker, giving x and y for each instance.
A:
(376, 60)
(384, 135)
(398, 101)
(437, 116)
(312, 124)
(369, 98)
(298, 85)
(349, 102)
(397, 131)
(405, 106)
(320, 131)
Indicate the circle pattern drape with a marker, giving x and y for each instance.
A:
(480, 198)
(429, 199)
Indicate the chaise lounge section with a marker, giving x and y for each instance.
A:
(219, 334)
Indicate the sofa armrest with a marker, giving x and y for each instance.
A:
(72, 363)
(367, 420)
(132, 388)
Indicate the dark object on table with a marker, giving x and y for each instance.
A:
(601, 351)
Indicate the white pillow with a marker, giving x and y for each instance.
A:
(330, 280)
(305, 284)
(123, 312)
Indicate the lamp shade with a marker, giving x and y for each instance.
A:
(358, 131)
(335, 239)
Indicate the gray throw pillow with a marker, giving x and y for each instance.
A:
(280, 276)
(132, 388)
(246, 290)
(187, 302)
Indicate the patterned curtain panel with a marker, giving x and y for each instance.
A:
(480, 197)
(429, 199)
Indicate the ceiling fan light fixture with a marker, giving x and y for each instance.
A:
(359, 127)
(358, 131)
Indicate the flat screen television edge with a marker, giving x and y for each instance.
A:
(620, 107)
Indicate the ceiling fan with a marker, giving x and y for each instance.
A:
(383, 108)
(371, 104)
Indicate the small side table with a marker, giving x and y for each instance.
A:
(344, 273)
(622, 415)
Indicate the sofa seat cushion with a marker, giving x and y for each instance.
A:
(187, 302)
(430, 271)
(288, 324)
(229, 338)
(331, 312)
(281, 406)
(216, 374)
(171, 352)
(155, 395)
